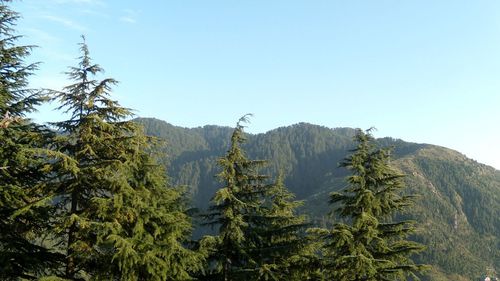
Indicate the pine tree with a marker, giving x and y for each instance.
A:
(26, 163)
(260, 237)
(232, 206)
(119, 220)
(283, 250)
(369, 245)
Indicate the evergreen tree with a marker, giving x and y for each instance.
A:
(118, 220)
(369, 245)
(260, 236)
(283, 250)
(232, 206)
(26, 162)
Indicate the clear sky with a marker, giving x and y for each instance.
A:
(421, 70)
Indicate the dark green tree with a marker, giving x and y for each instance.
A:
(282, 249)
(231, 207)
(260, 237)
(118, 219)
(26, 163)
(369, 244)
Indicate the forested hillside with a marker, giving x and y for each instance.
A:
(458, 204)
(102, 196)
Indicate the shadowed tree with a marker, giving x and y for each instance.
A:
(231, 207)
(260, 237)
(282, 249)
(26, 163)
(369, 244)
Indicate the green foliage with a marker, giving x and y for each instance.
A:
(25, 163)
(233, 206)
(460, 230)
(369, 245)
(449, 186)
(304, 153)
(90, 202)
(283, 250)
(117, 219)
(260, 237)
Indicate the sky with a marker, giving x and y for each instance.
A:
(424, 71)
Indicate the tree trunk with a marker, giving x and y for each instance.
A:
(70, 260)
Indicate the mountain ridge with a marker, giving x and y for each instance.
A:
(347, 131)
(459, 199)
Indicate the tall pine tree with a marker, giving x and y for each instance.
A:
(260, 237)
(118, 219)
(26, 163)
(232, 206)
(369, 244)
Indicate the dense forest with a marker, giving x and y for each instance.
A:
(457, 203)
(90, 198)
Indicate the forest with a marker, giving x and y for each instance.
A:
(456, 204)
(92, 198)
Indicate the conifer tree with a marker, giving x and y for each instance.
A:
(282, 248)
(232, 205)
(259, 235)
(119, 220)
(26, 163)
(369, 245)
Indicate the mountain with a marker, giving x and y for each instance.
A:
(458, 203)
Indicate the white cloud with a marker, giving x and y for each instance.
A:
(128, 19)
(59, 56)
(40, 36)
(66, 22)
(94, 13)
(49, 46)
(130, 16)
(52, 81)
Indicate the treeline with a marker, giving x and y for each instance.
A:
(459, 231)
(85, 199)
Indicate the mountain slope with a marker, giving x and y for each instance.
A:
(458, 208)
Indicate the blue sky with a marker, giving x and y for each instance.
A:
(420, 70)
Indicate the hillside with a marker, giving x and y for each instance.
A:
(458, 205)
